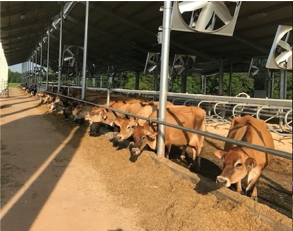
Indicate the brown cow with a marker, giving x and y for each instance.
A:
(187, 116)
(126, 124)
(241, 161)
(100, 114)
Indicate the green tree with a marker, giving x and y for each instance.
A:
(14, 77)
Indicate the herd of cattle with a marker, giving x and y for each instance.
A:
(238, 162)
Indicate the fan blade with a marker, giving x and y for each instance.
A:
(284, 45)
(68, 58)
(283, 56)
(254, 72)
(181, 70)
(205, 16)
(222, 12)
(70, 52)
(191, 6)
(152, 62)
(152, 68)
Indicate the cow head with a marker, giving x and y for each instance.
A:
(236, 165)
(142, 137)
(99, 114)
(79, 112)
(126, 127)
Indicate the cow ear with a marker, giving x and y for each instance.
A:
(250, 163)
(152, 135)
(220, 154)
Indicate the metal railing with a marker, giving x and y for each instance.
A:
(206, 134)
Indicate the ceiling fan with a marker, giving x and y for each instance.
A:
(72, 56)
(280, 56)
(256, 65)
(183, 64)
(212, 17)
(152, 64)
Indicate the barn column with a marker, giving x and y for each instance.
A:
(41, 66)
(183, 82)
(48, 57)
(221, 70)
(60, 48)
(85, 50)
(136, 87)
(36, 66)
(230, 79)
(283, 84)
(164, 77)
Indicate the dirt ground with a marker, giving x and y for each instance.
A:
(54, 176)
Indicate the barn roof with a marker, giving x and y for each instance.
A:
(121, 33)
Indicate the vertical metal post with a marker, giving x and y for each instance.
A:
(269, 87)
(272, 84)
(27, 70)
(60, 49)
(36, 66)
(221, 70)
(164, 77)
(230, 79)
(136, 87)
(183, 82)
(205, 84)
(85, 50)
(48, 57)
(32, 70)
(101, 81)
(41, 65)
(283, 84)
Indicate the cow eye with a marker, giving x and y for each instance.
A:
(238, 165)
(128, 127)
(143, 137)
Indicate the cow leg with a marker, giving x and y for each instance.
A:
(195, 161)
(183, 153)
(251, 187)
(238, 186)
(254, 193)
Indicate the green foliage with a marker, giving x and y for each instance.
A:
(14, 77)
(277, 82)
(240, 82)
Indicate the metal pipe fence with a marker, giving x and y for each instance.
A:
(206, 134)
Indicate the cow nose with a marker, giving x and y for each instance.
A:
(118, 137)
(135, 151)
(222, 181)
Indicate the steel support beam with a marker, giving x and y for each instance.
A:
(60, 49)
(83, 85)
